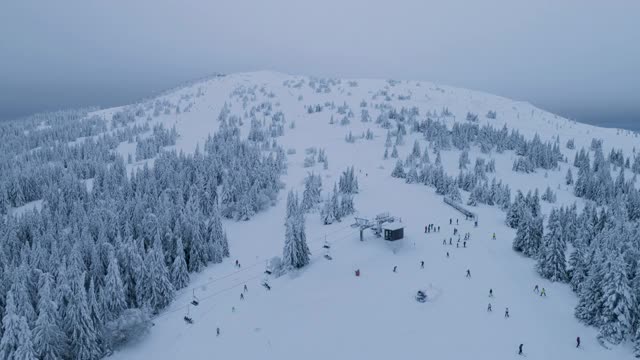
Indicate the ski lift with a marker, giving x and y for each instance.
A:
(266, 285)
(195, 301)
(187, 318)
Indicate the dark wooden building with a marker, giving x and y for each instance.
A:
(393, 231)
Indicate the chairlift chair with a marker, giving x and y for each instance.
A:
(188, 318)
(195, 301)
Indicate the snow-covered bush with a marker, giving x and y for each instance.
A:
(130, 326)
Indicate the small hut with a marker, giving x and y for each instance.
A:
(393, 231)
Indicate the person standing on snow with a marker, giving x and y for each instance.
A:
(520, 349)
(489, 308)
(217, 331)
(536, 289)
(490, 292)
(450, 221)
(468, 273)
(494, 236)
(543, 293)
(422, 264)
(447, 254)
(241, 296)
(578, 342)
(506, 313)
(395, 268)
(245, 288)
(444, 242)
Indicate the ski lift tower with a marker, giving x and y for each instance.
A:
(377, 224)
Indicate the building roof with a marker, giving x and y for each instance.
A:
(396, 225)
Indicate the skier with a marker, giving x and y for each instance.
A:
(444, 242)
(450, 241)
(241, 296)
(358, 272)
(578, 342)
(457, 245)
(464, 244)
(490, 292)
(489, 308)
(536, 289)
(425, 229)
(468, 273)
(438, 228)
(456, 221)
(543, 293)
(476, 224)
(233, 309)
(245, 288)
(455, 231)
(450, 221)
(422, 264)
(217, 331)
(447, 254)
(520, 350)
(395, 268)
(236, 262)
(494, 236)
(506, 313)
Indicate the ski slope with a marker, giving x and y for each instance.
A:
(324, 311)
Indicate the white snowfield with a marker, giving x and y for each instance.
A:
(324, 311)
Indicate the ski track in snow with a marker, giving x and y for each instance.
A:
(323, 311)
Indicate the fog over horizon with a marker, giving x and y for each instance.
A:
(578, 59)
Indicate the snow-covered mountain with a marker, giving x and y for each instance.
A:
(325, 311)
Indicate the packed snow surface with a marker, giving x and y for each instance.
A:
(324, 311)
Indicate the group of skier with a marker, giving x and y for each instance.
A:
(538, 290)
(431, 228)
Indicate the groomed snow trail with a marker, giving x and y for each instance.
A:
(324, 311)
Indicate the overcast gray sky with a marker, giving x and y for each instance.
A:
(577, 58)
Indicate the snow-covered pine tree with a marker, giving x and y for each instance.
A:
(529, 234)
(394, 153)
(81, 333)
(515, 211)
(569, 177)
(346, 205)
(113, 297)
(179, 273)
(551, 258)
(619, 302)
(415, 153)
(312, 191)
(326, 214)
(590, 297)
(549, 196)
(49, 341)
(295, 253)
(158, 290)
(16, 338)
(463, 161)
(398, 170)
(412, 175)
